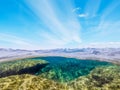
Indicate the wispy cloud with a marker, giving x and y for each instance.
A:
(16, 41)
(58, 23)
(92, 7)
(58, 32)
(106, 29)
(106, 32)
(109, 9)
(83, 15)
(76, 9)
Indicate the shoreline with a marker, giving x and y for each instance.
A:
(114, 61)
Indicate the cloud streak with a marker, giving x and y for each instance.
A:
(76, 9)
(16, 42)
(109, 9)
(58, 32)
(83, 15)
(61, 23)
(92, 7)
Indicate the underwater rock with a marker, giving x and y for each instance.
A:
(64, 69)
(59, 74)
(23, 66)
(101, 78)
(30, 82)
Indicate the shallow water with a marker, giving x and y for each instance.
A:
(66, 69)
(59, 73)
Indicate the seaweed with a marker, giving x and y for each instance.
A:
(101, 78)
(23, 66)
(30, 82)
(63, 69)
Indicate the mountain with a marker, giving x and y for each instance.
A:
(81, 53)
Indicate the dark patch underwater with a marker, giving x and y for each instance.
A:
(64, 69)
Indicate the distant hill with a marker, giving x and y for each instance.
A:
(82, 53)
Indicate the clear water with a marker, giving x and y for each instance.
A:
(66, 69)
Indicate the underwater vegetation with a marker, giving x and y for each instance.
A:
(21, 67)
(59, 73)
(63, 69)
(101, 78)
(29, 82)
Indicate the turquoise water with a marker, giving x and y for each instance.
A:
(66, 69)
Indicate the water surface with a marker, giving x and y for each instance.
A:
(64, 69)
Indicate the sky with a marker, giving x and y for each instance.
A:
(48, 24)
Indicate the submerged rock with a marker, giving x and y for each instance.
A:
(21, 67)
(101, 78)
(64, 69)
(29, 82)
(59, 74)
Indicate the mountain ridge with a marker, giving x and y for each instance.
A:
(109, 54)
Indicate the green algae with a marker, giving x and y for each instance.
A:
(20, 66)
(61, 73)
(63, 69)
(101, 78)
(29, 82)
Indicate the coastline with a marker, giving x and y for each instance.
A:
(83, 57)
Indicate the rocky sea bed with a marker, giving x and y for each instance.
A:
(59, 73)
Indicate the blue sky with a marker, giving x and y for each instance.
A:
(47, 24)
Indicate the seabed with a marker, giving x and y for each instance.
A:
(59, 73)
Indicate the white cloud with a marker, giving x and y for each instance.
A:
(109, 9)
(83, 15)
(16, 42)
(92, 7)
(106, 27)
(76, 9)
(59, 33)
